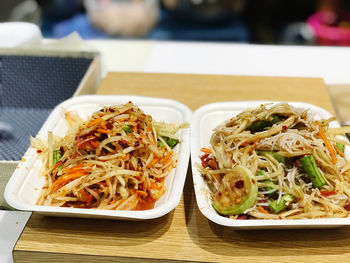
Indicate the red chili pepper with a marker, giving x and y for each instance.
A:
(242, 217)
(204, 161)
(205, 156)
(213, 164)
(239, 184)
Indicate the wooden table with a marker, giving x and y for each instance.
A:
(185, 234)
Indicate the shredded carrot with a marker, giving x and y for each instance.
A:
(329, 146)
(328, 193)
(144, 201)
(66, 178)
(244, 143)
(122, 120)
(152, 184)
(205, 150)
(166, 157)
(166, 161)
(124, 141)
(217, 176)
(262, 210)
(153, 162)
(94, 144)
(159, 179)
(104, 131)
(141, 194)
(94, 122)
(86, 196)
(74, 168)
(58, 164)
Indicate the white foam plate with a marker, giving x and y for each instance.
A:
(25, 184)
(204, 120)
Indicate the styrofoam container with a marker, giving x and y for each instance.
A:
(25, 184)
(208, 117)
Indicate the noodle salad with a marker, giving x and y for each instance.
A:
(277, 162)
(117, 159)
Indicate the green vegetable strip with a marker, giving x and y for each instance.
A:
(50, 147)
(56, 156)
(340, 146)
(261, 172)
(310, 168)
(127, 129)
(275, 119)
(169, 141)
(260, 125)
(276, 156)
(276, 207)
(271, 186)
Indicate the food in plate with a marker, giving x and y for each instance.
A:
(277, 162)
(116, 159)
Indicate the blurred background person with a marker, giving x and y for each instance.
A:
(320, 22)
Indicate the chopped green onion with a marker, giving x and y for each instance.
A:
(261, 172)
(171, 142)
(127, 129)
(56, 156)
(311, 170)
(277, 207)
(276, 156)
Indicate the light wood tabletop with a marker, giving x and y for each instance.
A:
(185, 234)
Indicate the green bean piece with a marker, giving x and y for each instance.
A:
(311, 170)
(276, 156)
(277, 207)
(260, 125)
(275, 119)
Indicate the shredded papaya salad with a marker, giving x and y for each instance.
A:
(117, 159)
(277, 162)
